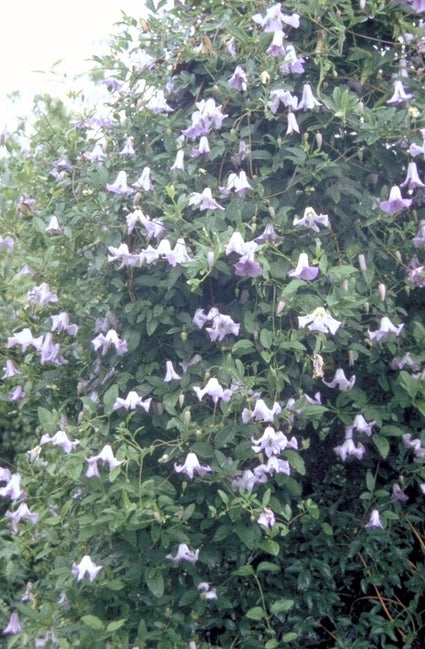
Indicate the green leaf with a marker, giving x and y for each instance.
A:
(270, 546)
(110, 397)
(48, 420)
(255, 613)
(296, 461)
(266, 566)
(243, 571)
(271, 644)
(93, 622)
(155, 581)
(289, 637)
(382, 444)
(117, 624)
(281, 606)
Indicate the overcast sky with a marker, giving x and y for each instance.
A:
(34, 34)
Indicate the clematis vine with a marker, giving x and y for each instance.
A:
(144, 182)
(374, 521)
(273, 442)
(386, 328)
(239, 79)
(132, 402)
(303, 270)
(119, 186)
(111, 339)
(192, 466)
(205, 200)
(312, 220)
(214, 390)
(170, 373)
(20, 514)
(107, 457)
(267, 518)
(184, 554)
(13, 626)
(395, 203)
(86, 567)
(340, 381)
(261, 412)
(60, 439)
(221, 325)
(319, 320)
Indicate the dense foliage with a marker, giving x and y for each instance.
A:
(213, 333)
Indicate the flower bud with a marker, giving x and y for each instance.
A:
(397, 255)
(319, 140)
(362, 263)
(187, 417)
(280, 307)
(350, 358)
(137, 199)
(181, 400)
(265, 77)
(210, 259)
(271, 211)
(382, 290)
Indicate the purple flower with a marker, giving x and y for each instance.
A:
(374, 521)
(360, 425)
(386, 328)
(237, 183)
(276, 47)
(17, 394)
(239, 79)
(10, 370)
(284, 97)
(144, 181)
(25, 339)
(40, 295)
(415, 444)
(157, 103)
(267, 518)
(106, 456)
(179, 161)
(319, 320)
(340, 381)
(349, 449)
(312, 220)
(13, 626)
(97, 154)
(222, 325)
(120, 185)
(399, 96)
(399, 362)
(49, 351)
(275, 465)
(274, 18)
(203, 148)
(7, 243)
(261, 412)
(13, 488)
(191, 466)
(60, 439)
(214, 390)
(123, 255)
(308, 101)
(398, 494)
(206, 591)
(60, 322)
(170, 372)
(132, 401)
(419, 240)
(184, 554)
(247, 267)
(292, 64)
(273, 442)
(395, 203)
(303, 270)
(128, 148)
(412, 177)
(204, 200)
(85, 567)
(204, 119)
(21, 513)
(110, 340)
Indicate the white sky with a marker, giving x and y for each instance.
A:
(34, 34)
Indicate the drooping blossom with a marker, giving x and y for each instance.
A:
(206, 591)
(246, 480)
(267, 518)
(205, 200)
(319, 320)
(400, 362)
(276, 47)
(386, 328)
(13, 626)
(273, 466)
(398, 494)
(292, 64)
(312, 220)
(178, 164)
(170, 372)
(184, 554)
(85, 567)
(239, 79)
(274, 19)
(208, 116)
(41, 295)
(261, 412)
(119, 186)
(395, 203)
(247, 267)
(399, 95)
(20, 514)
(412, 180)
(60, 322)
(292, 124)
(272, 442)
(308, 100)
(237, 183)
(53, 227)
(123, 255)
(303, 270)
(60, 439)
(419, 240)
(214, 390)
(97, 154)
(144, 182)
(10, 370)
(269, 235)
(374, 521)
(132, 401)
(6, 243)
(50, 351)
(153, 228)
(203, 148)
(221, 325)
(17, 394)
(128, 148)
(360, 425)
(340, 381)
(350, 449)
(107, 457)
(111, 339)
(415, 444)
(174, 256)
(12, 489)
(281, 96)
(416, 274)
(158, 104)
(192, 466)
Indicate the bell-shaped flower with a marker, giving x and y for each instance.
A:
(272, 442)
(10, 370)
(17, 394)
(85, 567)
(303, 270)
(385, 330)
(239, 79)
(192, 466)
(412, 180)
(415, 444)
(144, 182)
(13, 489)
(203, 148)
(374, 521)
(292, 124)
(308, 100)
(247, 267)
(41, 295)
(261, 412)
(395, 203)
(178, 164)
(275, 465)
(221, 325)
(349, 449)
(50, 351)
(206, 591)
(360, 425)
(319, 320)
(128, 148)
(237, 183)
(276, 47)
(419, 240)
(398, 494)
(60, 322)
(119, 186)
(214, 390)
(340, 381)
(21, 513)
(205, 200)
(53, 227)
(107, 457)
(400, 362)
(285, 97)
(292, 64)
(158, 104)
(312, 220)
(123, 255)
(267, 518)
(111, 339)
(60, 439)
(184, 554)
(170, 372)
(13, 626)
(132, 401)
(399, 95)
